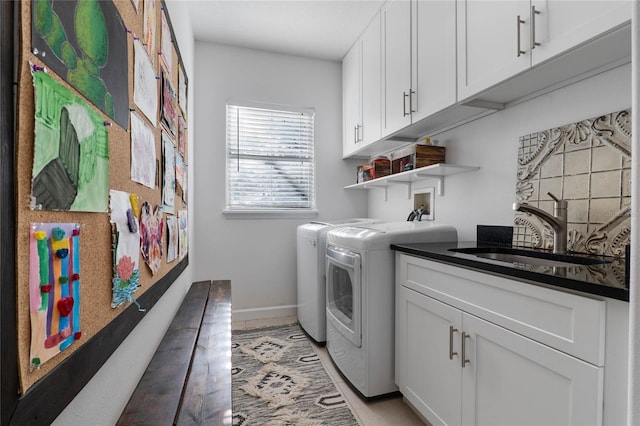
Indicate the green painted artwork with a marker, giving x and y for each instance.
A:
(71, 151)
(85, 43)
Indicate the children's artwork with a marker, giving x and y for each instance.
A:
(169, 174)
(143, 153)
(182, 137)
(169, 113)
(125, 231)
(151, 229)
(85, 43)
(182, 89)
(54, 289)
(180, 175)
(185, 184)
(172, 238)
(149, 30)
(166, 47)
(145, 83)
(183, 243)
(71, 151)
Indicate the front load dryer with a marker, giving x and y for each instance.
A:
(311, 244)
(361, 298)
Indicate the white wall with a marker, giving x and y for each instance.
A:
(102, 400)
(486, 196)
(259, 255)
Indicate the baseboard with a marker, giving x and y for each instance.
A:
(263, 313)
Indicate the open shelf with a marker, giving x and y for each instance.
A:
(436, 171)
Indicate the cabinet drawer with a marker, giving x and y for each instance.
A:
(568, 322)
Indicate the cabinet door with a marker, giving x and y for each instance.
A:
(425, 373)
(397, 65)
(512, 380)
(561, 25)
(351, 98)
(371, 81)
(488, 43)
(434, 51)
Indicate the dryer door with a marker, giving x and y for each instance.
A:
(344, 293)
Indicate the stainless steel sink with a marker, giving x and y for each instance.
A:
(530, 257)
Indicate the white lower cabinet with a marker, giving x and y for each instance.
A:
(456, 368)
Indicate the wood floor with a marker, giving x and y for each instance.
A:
(378, 413)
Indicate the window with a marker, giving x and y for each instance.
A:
(270, 165)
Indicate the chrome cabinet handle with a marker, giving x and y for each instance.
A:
(451, 331)
(464, 359)
(355, 134)
(518, 22)
(534, 12)
(405, 95)
(358, 133)
(411, 93)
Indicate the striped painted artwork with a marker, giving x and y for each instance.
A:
(54, 289)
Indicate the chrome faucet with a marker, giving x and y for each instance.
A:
(558, 221)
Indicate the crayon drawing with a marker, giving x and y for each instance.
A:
(143, 153)
(182, 89)
(71, 152)
(168, 175)
(169, 112)
(125, 245)
(145, 84)
(180, 176)
(182, 138)
(85, 43)
(54, 289)
(183, 240)
(172, 238)
(166, 47)
(151, 230)
(149, 30)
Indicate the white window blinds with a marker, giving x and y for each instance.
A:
(269, 159)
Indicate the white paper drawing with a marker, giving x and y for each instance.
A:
(145, 84)
(169, 174)
(172, 238)
(143, 153)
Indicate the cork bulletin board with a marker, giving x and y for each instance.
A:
(92, 307)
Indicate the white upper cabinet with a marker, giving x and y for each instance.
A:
(419, 60)
(433, 72)
(499, 39)
(371, 82)
(361, 90)
(492, 43)
(397, 65)
(351, 98)
(561, 25)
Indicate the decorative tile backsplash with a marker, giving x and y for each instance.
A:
(588, 164)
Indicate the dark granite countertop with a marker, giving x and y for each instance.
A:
(608, 279)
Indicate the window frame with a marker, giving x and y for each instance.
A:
(267, 212)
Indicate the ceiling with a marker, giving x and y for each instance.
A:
(323, 29)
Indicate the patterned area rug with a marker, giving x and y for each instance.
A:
(278, 379)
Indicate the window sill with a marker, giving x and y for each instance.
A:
(269, 214)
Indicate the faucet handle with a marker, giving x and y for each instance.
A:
(560, 203)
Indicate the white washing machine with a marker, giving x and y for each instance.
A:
(361, 298)
(311, 245)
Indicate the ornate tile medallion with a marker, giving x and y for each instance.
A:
(588, 164)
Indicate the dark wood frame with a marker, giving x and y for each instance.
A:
(45, 400)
